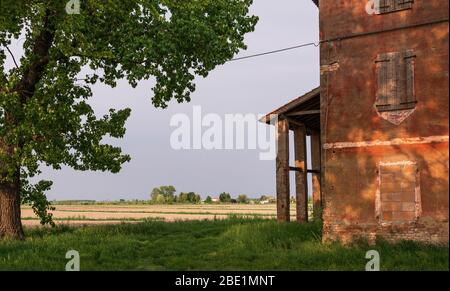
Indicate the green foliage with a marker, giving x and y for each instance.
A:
(35, 196)
(45, 116)
(166, 195)
(242, 199)
(225, 197)
(208, 200)
(189, 197)
(163, 194)
(235, 244)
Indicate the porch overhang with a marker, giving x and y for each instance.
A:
(304, 110)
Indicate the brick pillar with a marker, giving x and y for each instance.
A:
(282, 168)
(316, 149)
(301, 184)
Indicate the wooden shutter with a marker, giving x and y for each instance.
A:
(403, 4)
(382, 69)
(387, 6)
(410, 63)
(395, 81)
(400, 82)
(387, 79)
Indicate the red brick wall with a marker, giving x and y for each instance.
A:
(358, 140)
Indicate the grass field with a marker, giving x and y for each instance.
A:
(227, 244)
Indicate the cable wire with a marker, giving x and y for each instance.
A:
(275, 51)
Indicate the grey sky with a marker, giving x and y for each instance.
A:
(256, 85)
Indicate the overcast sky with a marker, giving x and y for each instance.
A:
(256, 86)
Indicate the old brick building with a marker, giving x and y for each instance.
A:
(379, 123)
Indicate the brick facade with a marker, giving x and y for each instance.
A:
(384, 121)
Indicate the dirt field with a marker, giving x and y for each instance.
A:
(111, 214)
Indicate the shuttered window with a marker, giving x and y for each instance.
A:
(395, 84)
(387, 6)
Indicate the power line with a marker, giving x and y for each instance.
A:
(339, 39)
(266, 53)
(276, 51)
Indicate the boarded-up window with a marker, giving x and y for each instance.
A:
(388, 6)
(399, 193)
(395, 84)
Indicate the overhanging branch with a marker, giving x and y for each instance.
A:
(12, 56)
(40, 54)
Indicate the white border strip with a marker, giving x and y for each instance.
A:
(393, 142)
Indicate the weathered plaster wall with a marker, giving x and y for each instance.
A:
(357, 139)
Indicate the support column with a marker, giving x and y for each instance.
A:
(315, 165)
(301, 184)
(282, 168)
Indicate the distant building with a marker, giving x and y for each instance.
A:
(268, 200)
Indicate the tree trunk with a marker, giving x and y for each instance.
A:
(10, 221)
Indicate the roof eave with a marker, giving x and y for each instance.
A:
(290, 105)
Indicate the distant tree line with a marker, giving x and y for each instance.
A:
(167, 195)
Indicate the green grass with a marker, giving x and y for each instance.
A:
(233, 244)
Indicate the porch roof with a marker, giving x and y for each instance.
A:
(303, 110)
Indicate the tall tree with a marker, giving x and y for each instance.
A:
(242, 199)
(168, 192)
(225, 197)
(45, 117)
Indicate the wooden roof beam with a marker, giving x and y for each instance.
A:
(303, 113)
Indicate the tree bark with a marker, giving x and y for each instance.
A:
(10, 216)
